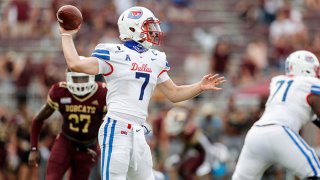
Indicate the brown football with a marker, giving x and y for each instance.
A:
(69, 17)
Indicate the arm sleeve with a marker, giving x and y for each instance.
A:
(315, 89)
(163, 77)
(34, 134)
(102, 52)
(51, 98)
(104, 67)
(166, 67)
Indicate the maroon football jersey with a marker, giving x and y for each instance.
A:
(82, 116)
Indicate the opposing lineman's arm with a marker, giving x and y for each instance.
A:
(45, 112)
(180, 93)
(314, 101)
(89, 65)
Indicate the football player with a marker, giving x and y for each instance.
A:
(81, 102)
(132, 71)
(198, 157)
(294, 100)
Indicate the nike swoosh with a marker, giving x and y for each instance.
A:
(138, 130)
(153, 59)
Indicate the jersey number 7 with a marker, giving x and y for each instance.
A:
(145, 83)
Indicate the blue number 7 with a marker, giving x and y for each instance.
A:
(145, 83)
(281, 82)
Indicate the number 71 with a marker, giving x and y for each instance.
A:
(281, 82)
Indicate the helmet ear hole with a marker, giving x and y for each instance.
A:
(132, 29)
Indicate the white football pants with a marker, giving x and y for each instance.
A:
(125, 153)
(275, 144)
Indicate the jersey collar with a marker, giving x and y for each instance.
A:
(135, 46)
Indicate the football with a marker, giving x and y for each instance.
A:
(69, 17)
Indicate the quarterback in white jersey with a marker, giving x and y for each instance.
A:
(131, 94)
(274, 138)
(132, 71)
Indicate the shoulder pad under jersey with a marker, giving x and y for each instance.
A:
(103, 51)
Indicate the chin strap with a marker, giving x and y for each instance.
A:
(146, 44)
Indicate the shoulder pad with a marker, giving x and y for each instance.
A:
(108, 46)
(54, 94)
(275, 78)
(62, 84)
(57, 88)
(313, 81)
(161, 54)
(104, 51)
(315, 86)
(163, 62)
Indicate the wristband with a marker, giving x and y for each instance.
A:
(65, 34)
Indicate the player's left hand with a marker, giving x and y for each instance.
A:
(92, 153)
(34, 158)
(211, 82)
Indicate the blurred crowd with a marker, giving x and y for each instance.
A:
(266, 32)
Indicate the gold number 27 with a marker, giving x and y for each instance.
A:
(75, 119)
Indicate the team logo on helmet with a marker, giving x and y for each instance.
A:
(309, 59)
(135, 14)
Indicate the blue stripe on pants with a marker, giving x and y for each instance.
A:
(110, 147)
(304, 153)
(105, 130)
(308, 148)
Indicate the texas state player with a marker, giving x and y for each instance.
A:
(81, 102)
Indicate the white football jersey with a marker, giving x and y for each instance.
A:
(287, 104)
(135, 71)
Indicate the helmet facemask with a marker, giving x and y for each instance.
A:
(151, 31)
(80, 84)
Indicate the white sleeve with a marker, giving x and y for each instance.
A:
(104, 67)
(163, 77)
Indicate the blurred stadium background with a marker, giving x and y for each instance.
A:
(244, 40)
